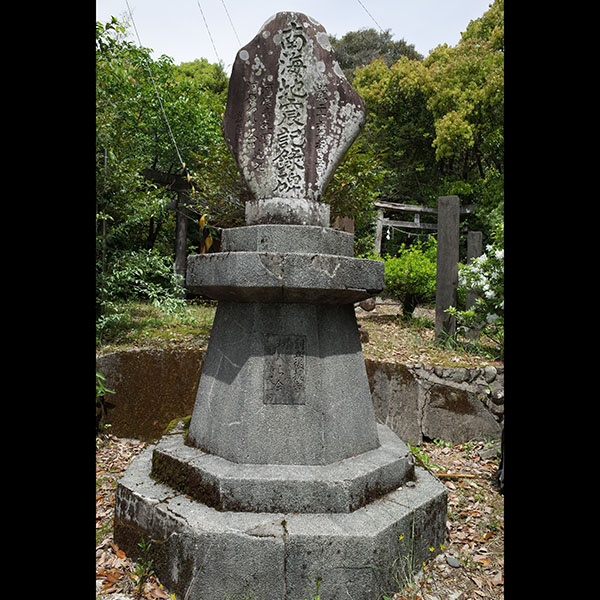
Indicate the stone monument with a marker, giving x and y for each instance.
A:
(284, 478)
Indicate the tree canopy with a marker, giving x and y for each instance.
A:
(359, 48)
(435, 126)
(439, 123)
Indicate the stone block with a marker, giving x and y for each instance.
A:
(342, 486)
(204, 554)
(291, 211)
(291, 114)
(284, 277)
(455, 415)
(284, 384)
(287, 238)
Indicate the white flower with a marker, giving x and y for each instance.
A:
(499, 254)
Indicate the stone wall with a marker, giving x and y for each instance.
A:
(152, 387)
(418, 402)
(424, 402)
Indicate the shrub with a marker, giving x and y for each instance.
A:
(484, 276)
(133, 276)
(410, 276)
(143, 275)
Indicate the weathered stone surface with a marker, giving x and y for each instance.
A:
(291, 114)
(396, 398)
(342, 486)
(284, 384)
(292, 211)
(152, 387)
(452, 414)
(288, 238)
(204, 554)
(284, 475)
(284, 277)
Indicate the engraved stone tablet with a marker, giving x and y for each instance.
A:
(291, 115)
(284, 369)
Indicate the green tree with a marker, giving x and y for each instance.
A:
(210, 76)
(438, 124)
(141, 108)
(358, 48)
(410, 276)
(352, 192)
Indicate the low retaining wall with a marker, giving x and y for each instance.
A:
(421, 402)
(418, 402)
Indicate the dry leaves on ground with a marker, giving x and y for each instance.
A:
(116, 572)
(471, 566)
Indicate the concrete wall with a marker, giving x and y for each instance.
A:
(153, 387)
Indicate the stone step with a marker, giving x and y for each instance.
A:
(343, 486)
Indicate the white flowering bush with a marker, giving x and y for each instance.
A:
(484, 276)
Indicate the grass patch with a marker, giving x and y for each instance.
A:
(139, 324)
(394, 338)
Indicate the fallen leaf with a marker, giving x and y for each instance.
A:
(498, 578)
(483, 560)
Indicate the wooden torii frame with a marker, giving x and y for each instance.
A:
(447, 227)
(416, 210)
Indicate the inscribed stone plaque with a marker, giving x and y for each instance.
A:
(291, 113)
(285, 364)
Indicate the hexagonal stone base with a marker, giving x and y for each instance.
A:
(204, 554)
(342, 486)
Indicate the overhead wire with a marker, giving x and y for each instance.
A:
(208, 30)
(370, 15)
(231, 22)
(183, 166)
(156, 88)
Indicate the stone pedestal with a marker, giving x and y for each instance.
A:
(284, 475)
(284, 380)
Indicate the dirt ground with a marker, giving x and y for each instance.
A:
(470, 567)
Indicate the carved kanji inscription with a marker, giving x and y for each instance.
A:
(285, 365)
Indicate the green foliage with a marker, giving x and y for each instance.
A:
(135, 230)
(358, 48)
(210, 76)
(143, 568)
(485, 277)
(353, 190)
(135, 324)
(143, 274)
(411, 275)
(438, 124)
(317, 596)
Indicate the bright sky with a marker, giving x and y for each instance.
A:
(177, 28)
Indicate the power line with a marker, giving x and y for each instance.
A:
(230, 21)
(156, 89)
(207, 29)
(373, 18)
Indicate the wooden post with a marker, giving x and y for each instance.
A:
(181, 227)
(379, 231)
(474, 246)
(447, 265)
